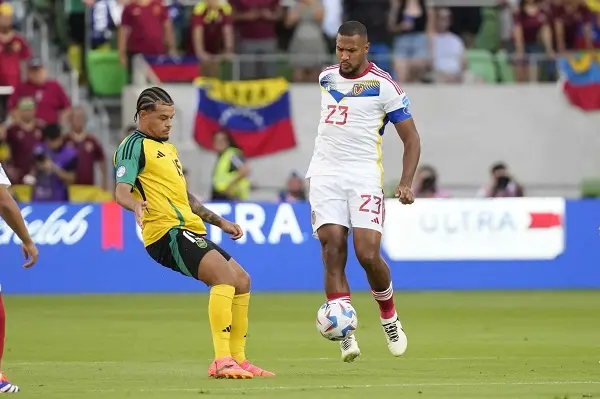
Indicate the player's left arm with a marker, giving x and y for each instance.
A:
(210, 217)
(205, 214)
(397, 108)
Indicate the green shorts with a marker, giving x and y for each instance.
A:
(181, 250)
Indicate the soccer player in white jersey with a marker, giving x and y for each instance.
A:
(346, 175)
(9, 211)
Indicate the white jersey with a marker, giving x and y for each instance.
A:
(3, 178)
(354, 113)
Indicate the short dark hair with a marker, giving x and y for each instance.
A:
(150, 98)
(51, 131)
(498, 166)
(351, 28)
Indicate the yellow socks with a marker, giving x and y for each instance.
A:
(219, 315)
(239, 326)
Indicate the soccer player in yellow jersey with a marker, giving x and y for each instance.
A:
(151, 184)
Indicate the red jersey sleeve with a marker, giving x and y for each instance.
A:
(126, 15)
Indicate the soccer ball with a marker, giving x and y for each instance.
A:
(336, 320)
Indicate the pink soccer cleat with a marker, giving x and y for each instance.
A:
(256, 371)
(226, 367)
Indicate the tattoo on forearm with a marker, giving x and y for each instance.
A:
(205, 214)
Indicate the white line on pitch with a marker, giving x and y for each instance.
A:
(357, 386)
(291, 360)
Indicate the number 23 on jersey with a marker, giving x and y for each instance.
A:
(337, 115)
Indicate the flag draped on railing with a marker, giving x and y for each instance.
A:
(580, 79)
(256, 113)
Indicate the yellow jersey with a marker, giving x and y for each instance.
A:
(152, 169)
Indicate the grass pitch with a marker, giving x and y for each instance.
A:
(461, 345)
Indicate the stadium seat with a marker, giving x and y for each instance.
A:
(481, 64)
(105, 74)
(505, 69)
(488, 37)
(590, 187)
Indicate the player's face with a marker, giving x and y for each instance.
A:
(351, 52)
(160, 121)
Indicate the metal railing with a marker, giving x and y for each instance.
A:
(99, 109)
(36, 33)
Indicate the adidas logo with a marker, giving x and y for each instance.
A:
(375, 220)
(226, 329)
(160, 155)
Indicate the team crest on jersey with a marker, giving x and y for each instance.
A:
(121, 171)
(358, 89)
(201, 242)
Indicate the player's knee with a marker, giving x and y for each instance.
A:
(367, 256)
(242, 285)
(334, 248)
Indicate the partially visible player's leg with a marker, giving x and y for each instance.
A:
(367, 212)
(5, 385)
(331, 220)
(239, 323)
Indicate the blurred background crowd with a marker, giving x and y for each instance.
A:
(64, 60)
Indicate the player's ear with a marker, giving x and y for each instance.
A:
(367, 46)
(143, 114)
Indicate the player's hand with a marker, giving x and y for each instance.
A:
(138, 210)
(30, 252)
(232, 228)
(405, 194)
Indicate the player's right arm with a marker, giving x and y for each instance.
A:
(11, 214)
(129, 162)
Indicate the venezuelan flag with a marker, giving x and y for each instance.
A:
(256, 113)
(174, 70)
(581, 80)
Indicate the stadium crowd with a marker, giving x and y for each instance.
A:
(43, 140)
(409, 38)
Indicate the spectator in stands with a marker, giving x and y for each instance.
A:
(530, 23)
(502, 184)
(295, 190)
(466, 22)
(308, 50)
(372, 14)
(212, 34)
(449, 57)
(23, 136)
(569, 17)
(14, 52)
(413, 23)
(230, 176)
(256, 23)
(426, 184)
(52, 103)
(145, 27)
(54, 167)
(89, 151)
